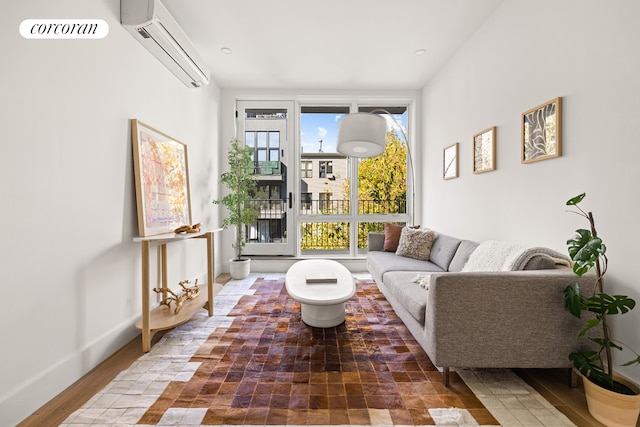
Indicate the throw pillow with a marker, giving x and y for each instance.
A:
(415, 243)
(392, 236)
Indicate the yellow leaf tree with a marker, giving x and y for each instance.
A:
(382, 185)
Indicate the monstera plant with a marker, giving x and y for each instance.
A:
(588, 251)
(612, 400)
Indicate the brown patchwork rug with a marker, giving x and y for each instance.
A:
(269, 368)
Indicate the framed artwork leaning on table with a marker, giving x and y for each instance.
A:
(162, 180)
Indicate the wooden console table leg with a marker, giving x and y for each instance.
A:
(210, 272)
(146, 312)
(163, 270)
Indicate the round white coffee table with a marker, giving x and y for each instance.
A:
(321, 287)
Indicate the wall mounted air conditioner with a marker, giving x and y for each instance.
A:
(152, 25)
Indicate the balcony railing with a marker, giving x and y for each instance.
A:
(319, 237)
(333, 237)
(269, 208)
(341, 207)
(275, 208)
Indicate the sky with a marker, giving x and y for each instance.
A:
(324, 126)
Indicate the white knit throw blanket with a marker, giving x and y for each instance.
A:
(494, 255)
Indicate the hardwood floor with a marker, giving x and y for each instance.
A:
(60, 407)
(552, 384)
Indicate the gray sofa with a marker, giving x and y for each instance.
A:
(483, 319)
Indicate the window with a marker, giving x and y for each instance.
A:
(266, 145)
(376, 187)
(326, 168)
(305, 200)
(306, 170)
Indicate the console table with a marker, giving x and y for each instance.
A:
(163, 317)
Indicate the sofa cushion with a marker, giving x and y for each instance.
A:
(463, 252)
(443, 250)
(409, 294)
(415, 243)
(375, 241)
(379, 263)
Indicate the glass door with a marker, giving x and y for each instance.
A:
(267, 127)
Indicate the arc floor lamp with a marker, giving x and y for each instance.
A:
(364, 135)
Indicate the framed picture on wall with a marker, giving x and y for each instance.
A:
(450, 162)
(162, 180)
(484, 151)
(542, 132)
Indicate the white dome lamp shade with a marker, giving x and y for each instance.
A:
(362, 135)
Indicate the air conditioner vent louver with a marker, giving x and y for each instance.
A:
(143, 33)
(153, 26)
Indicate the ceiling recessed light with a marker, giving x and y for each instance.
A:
(420, 52)
(226, 50)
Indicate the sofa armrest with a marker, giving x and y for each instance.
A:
(375, 241)
(503, 319)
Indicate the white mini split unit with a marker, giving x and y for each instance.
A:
(152, 25)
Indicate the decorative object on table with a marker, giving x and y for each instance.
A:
(195, 228)
(450, 162)
(484, 151)
(239, 180)
(192, 291)
(162, 180)
(188, 293)
(364, 135)
(542, 132)
(321, 278)
(611, 400)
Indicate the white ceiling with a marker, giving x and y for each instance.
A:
(328, 44)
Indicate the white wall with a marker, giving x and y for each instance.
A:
(525, 55)
(70, 276)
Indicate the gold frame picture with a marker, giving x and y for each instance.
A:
(542, 132)
(484, 150)
(450, 162)
(162, 180)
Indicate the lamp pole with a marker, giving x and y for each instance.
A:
(406, 141)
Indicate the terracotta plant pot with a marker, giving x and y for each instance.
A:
(611, 408)
(239, 269)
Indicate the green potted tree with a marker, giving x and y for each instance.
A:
(611, 399)
(239, 202)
